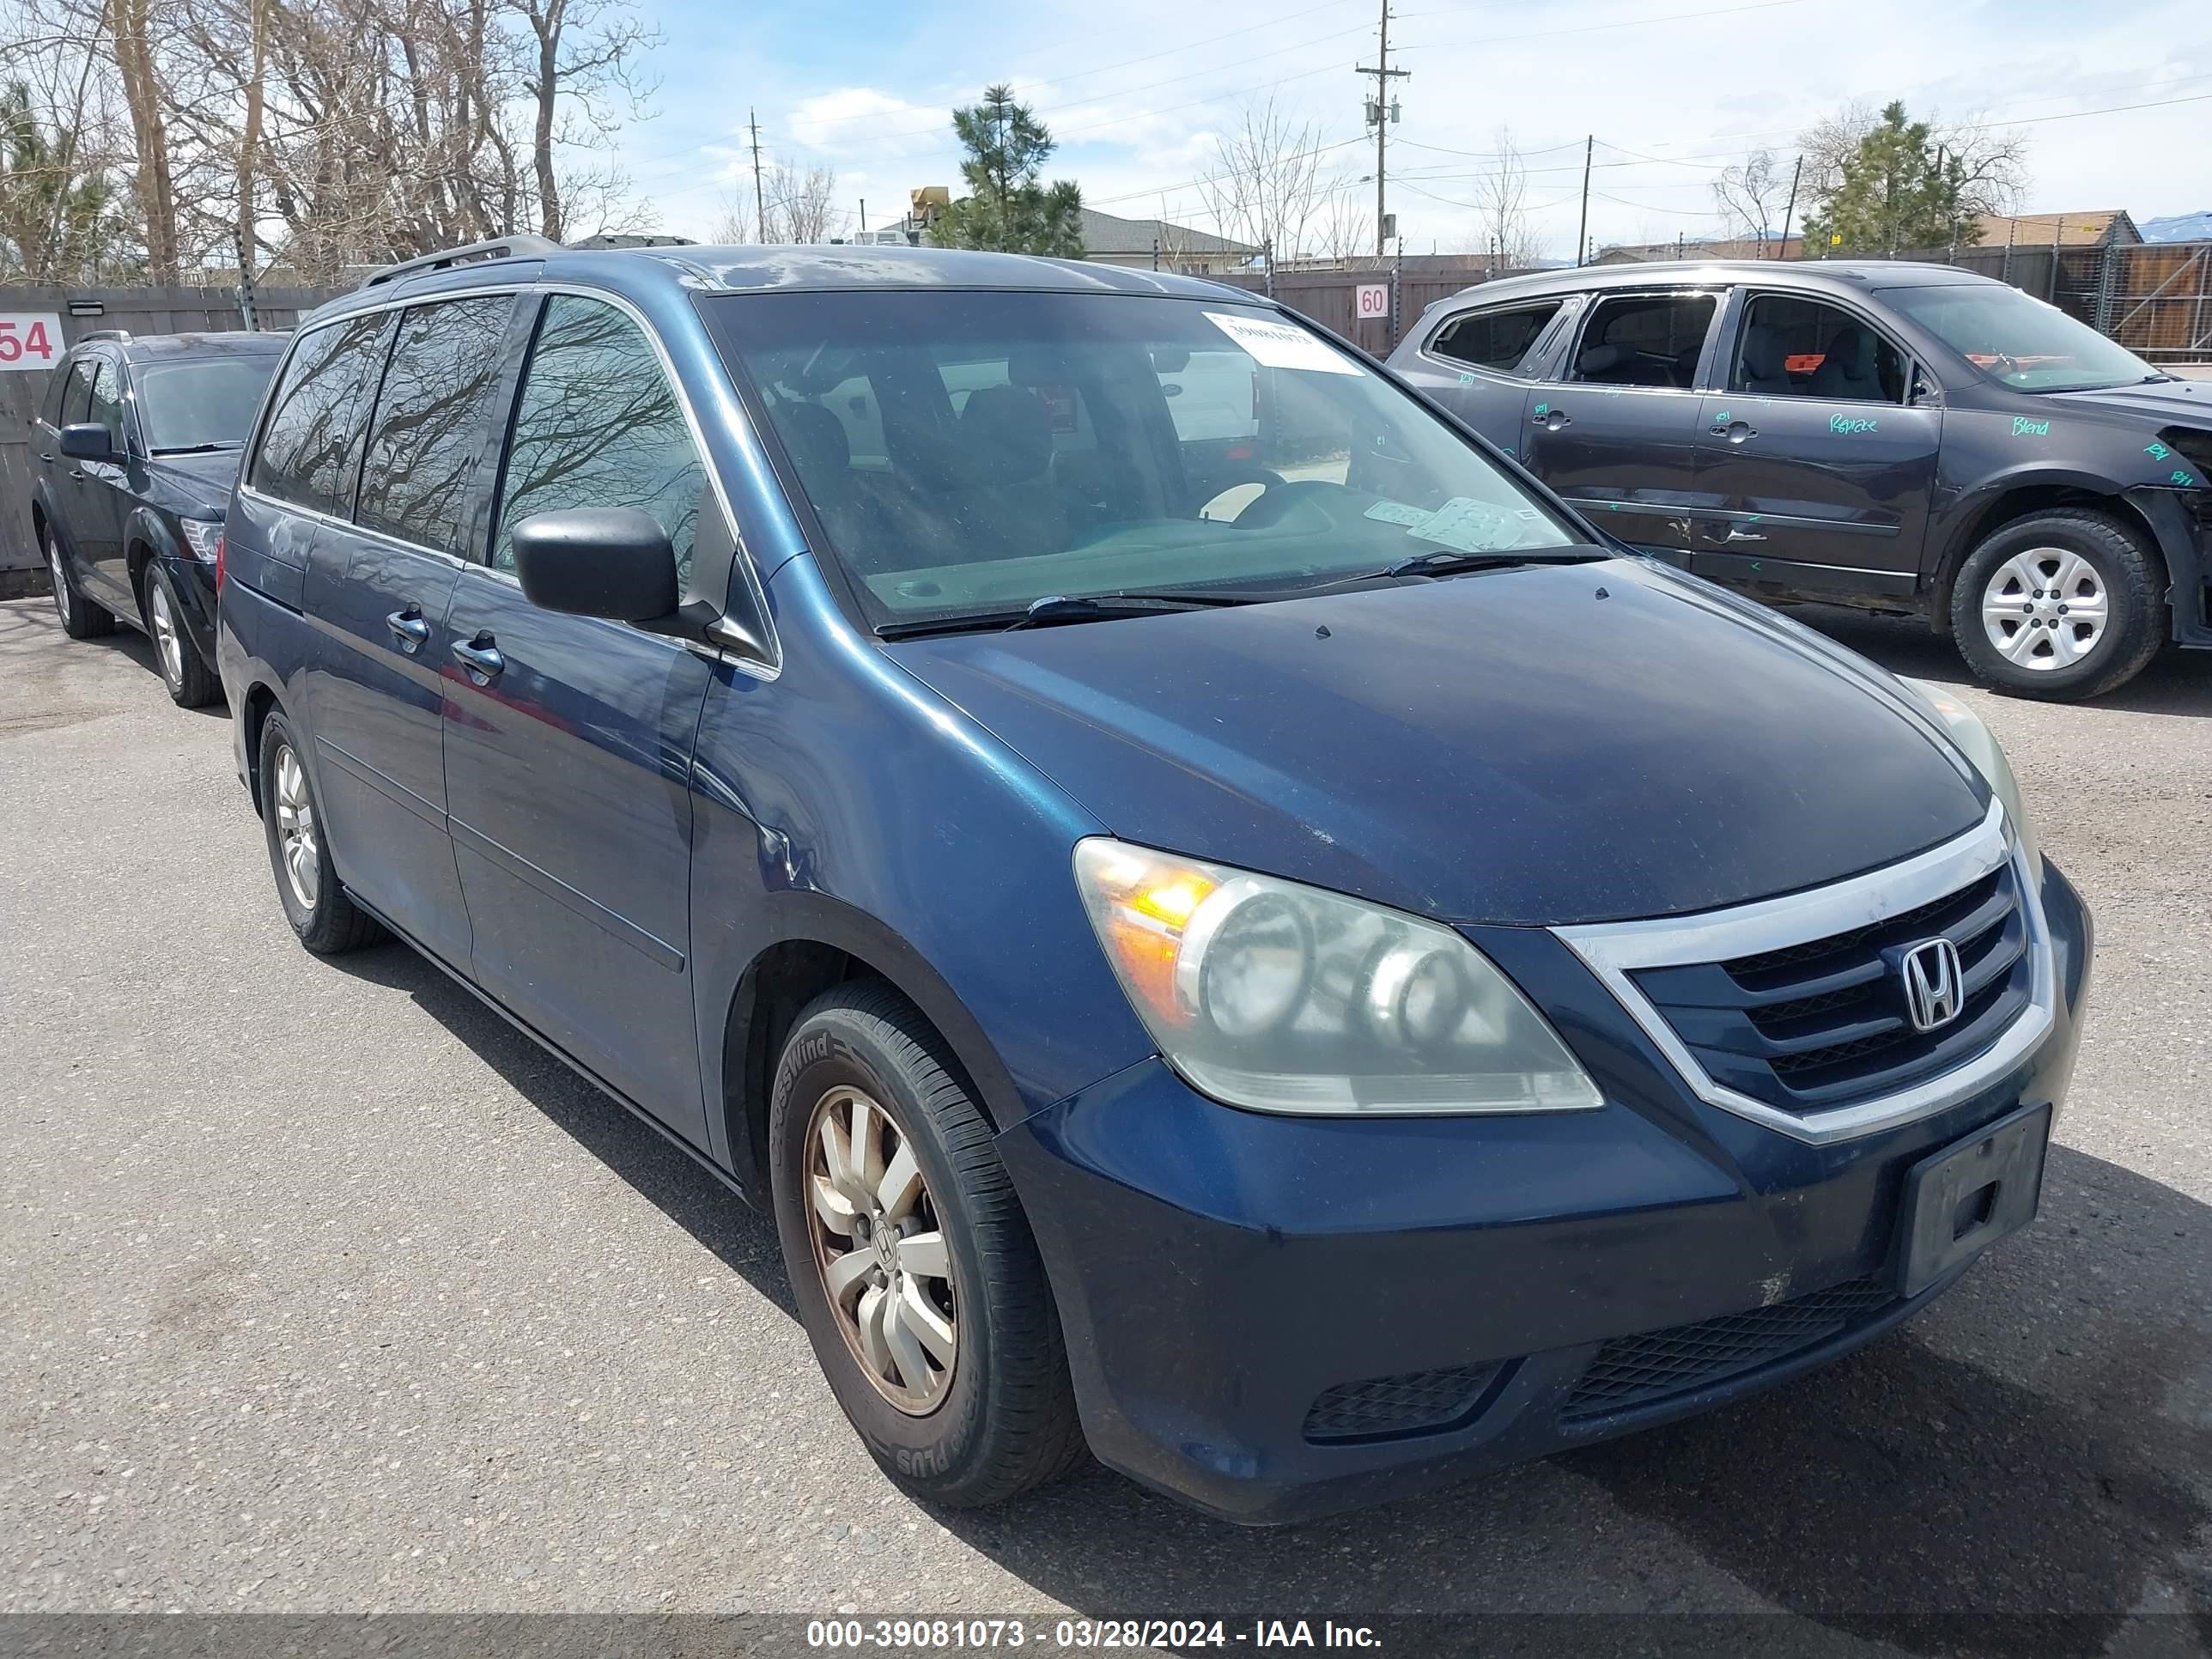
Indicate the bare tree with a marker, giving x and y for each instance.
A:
(802, 206)
(1828, 143)
(584, 49)
(1753, 194)
(321, 134)
(1344, 229)
(1501, 205)
(1986, 165)
(1266, 189)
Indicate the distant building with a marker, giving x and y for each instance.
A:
(1156, 244)
(2100, 228)
(1690, 247)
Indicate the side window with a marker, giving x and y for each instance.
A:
(598, 425)
(1789, 345)
(77, 401)
(1644, 339)
(1496, 340)
(106, 407)
(310, 449)
(433, 421)
(57, 387)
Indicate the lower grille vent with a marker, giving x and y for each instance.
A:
(1640, 1371)
(1409, 1404)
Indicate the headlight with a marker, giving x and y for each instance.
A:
(201, 535)
(1285, 998)
(1979, 745)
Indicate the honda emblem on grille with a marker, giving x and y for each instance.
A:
(1933, 983)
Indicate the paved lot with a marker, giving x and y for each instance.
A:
(324, 1291)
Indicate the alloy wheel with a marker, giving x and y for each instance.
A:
(165, 633)
(295, 828)
(880, 1250)
(2045, 609)
(61, 577)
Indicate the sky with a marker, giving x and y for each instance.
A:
(1139, 92)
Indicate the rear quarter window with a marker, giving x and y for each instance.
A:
(310, 450)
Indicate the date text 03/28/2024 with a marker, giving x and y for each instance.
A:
(938, 1634)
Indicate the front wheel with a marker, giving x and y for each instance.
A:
(2062, 605)
(192, 684)
(912, 1264)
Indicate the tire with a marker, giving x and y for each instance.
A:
(81, 618)
(326, 920)
(2079, 558)
(192, 684)
(1000, 1418)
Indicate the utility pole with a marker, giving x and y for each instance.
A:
(864, 215)
(1380, 110)
(1582, 236)
(760, 202)
(1782, 248)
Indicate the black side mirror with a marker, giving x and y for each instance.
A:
(88, 441)
(612, 562)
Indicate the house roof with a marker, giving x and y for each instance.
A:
(2090, 228)
(1103, 233)
(1726, 247)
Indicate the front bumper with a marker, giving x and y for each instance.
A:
(2182, 519)
(1219, 1271)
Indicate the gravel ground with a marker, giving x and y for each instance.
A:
(324, 1291)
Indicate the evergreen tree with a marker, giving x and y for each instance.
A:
(1900, 191)
(59, 220)
(1007, 207)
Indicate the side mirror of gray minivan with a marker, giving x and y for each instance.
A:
(88, 441)
(612, 562)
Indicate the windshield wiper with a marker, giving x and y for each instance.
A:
(191, 449)
(1447, 561)
(1057, 608)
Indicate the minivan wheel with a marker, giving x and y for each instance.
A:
(81, 618)
(184, 670)
(2061, 605)
(913, 1266)
(326, 920)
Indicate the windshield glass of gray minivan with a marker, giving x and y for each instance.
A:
(2020, 341)
(978, 451)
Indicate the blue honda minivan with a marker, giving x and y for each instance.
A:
(1290, 960)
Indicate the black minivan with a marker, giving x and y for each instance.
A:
(137, 447)
(1309, 973)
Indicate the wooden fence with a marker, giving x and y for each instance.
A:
(80, 311)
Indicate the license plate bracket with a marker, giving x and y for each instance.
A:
(1960, 1202)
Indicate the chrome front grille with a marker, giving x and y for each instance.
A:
(1824, 1022)
(1792, 1010)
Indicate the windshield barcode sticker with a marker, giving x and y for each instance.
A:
(1279, 345)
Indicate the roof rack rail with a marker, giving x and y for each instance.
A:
(521, 246)
(103, 334)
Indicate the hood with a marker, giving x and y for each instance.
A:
(2166, 402)
(204, 479)
(1543, 744)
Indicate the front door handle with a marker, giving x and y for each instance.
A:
(1737, 535)
(480, 656)
(409, 628)
(1553, 420)
(1734, 431)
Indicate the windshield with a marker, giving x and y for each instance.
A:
(2019, 341)
(970, 452)
(209, 401)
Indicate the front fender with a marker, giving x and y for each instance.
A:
(1950, 526)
